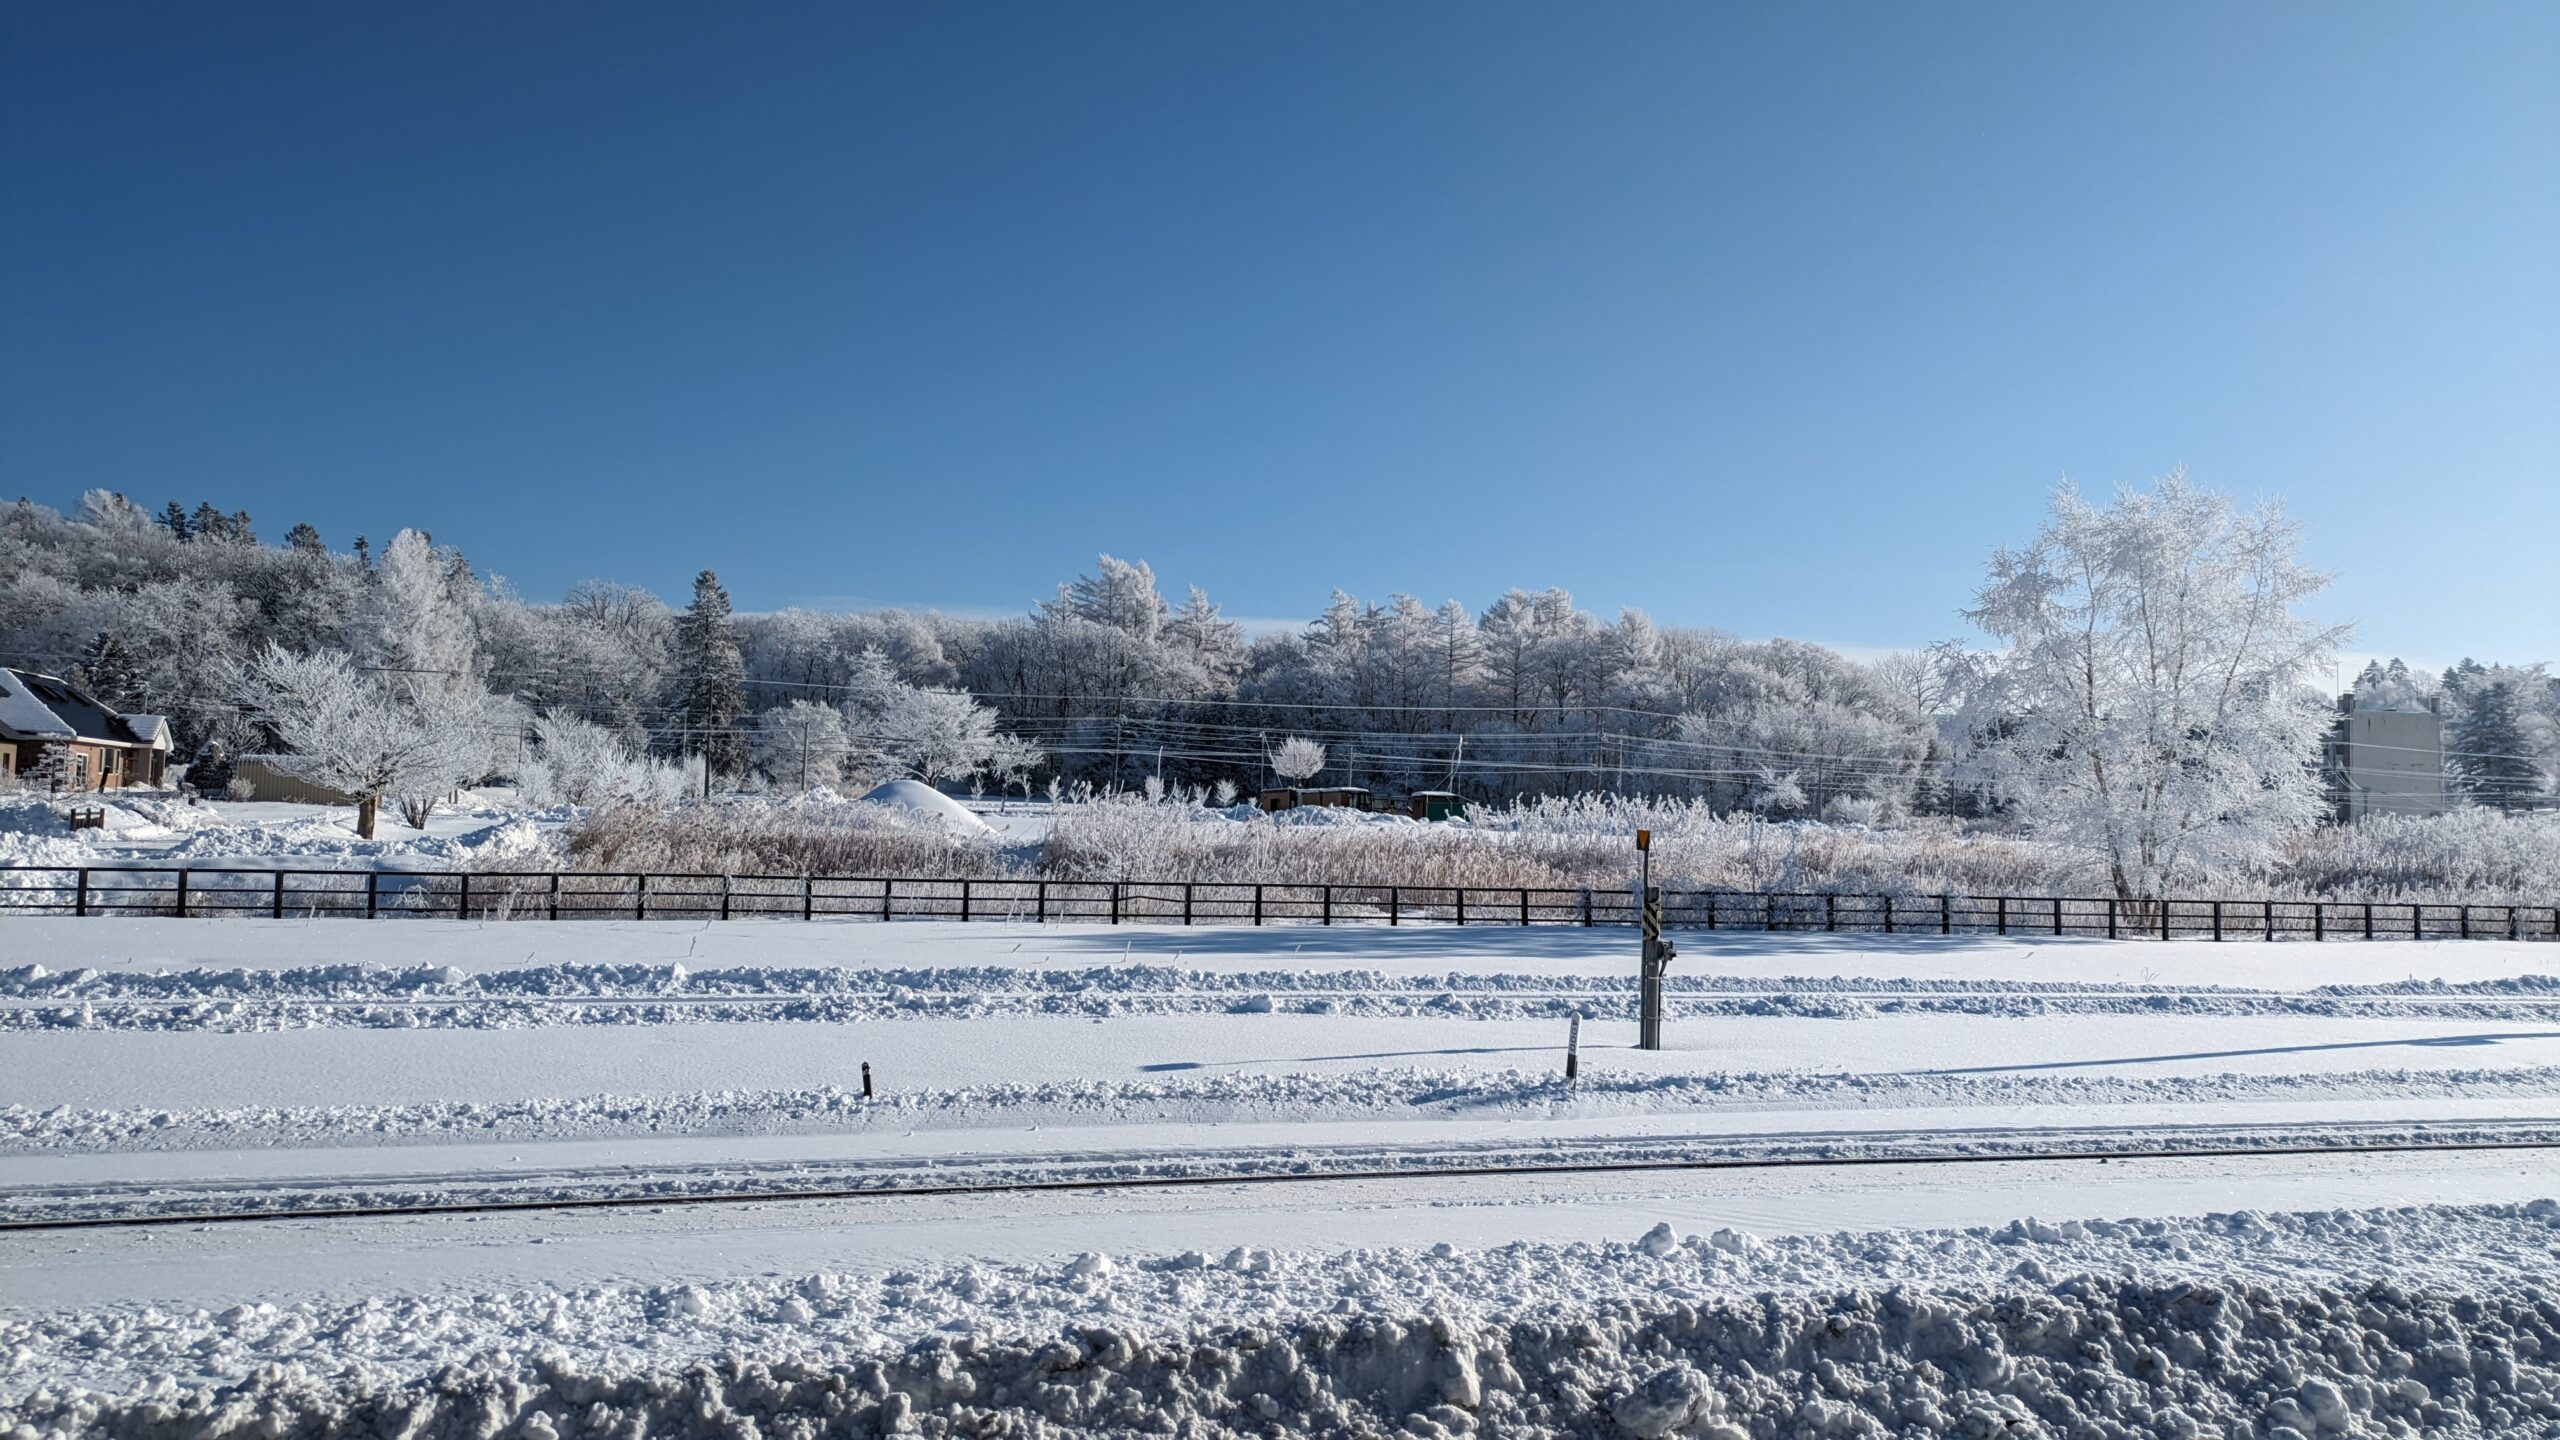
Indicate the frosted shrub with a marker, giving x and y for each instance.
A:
(2477, 855)
(811, 834)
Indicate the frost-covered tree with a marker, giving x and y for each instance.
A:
(1012, 759)
(366, 737)
(2391, 687)
(937, 735)
(2489, 753)
(413, 617)
(1297, 760)
(2149, 705)
(709, 668)
(1120, 595)
(801, 744)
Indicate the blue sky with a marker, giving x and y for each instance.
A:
(1770, 317)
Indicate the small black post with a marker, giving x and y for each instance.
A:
(1044, 902)
(724, 897)
(1186, 902)
(1460, 891)
(885, 885)
(964, 901)
(1830, 913)
(1946, 914)
(2111, 917)
(2004, 914)
(866, 1079)
(1573, 1051)
(277, 910)
(1115, 902)
(80, 897)
(2319, 921)
(2057, 915)
(2368, 919)
(1328, 904)
(1392, 898)
(372, 893)
(553, 911)
(1586, 908)
(1769, 905)
(1524, 909)
(2217, 919)
(2267, 913)
(1888, 914)
(2465, 913)
(1257, 902)
(182, 893)
(640, 892)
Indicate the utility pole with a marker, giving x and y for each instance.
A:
(1657, 953)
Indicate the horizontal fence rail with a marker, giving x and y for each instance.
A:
(202, 892)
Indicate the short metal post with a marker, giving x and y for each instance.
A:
(1460, 891)
(1524, 908)
(2267, 909)
(866, 1079)
(1115, 902)
(1830, 913)
(1586, 908)
(2057, 915)
(1769, 904)
(1044, 902)
(2464, 911)
(80, 895)
(277, 909)
(2004, 914)
(724, 897)
(2319, 921)
(1711, 909)
(182, 893)
(2111, 917)
(885, 884)
(2164, 917)
(808, 897)
(1328, 904)
(552, 909)
(1888, 914)
(964, 901)
(372, 893)
(1257, 903)
(640, 897)
(2217, 919)
(2368, 919)
(1186, 902)
(1946, 914)
(1391, 904)
(2417, 922)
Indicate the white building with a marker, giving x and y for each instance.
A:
(2386, 762)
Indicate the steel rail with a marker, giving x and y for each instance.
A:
(2082, 1155)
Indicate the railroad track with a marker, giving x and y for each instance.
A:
(99, 1210)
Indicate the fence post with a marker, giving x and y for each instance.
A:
(2164, 917)
(2417, 922)
(80, 895)
(1946, 914)
(277, 910)
(184, 872)
(1257, 902)
(640, 898)
(2111, 917)
(1115, 902)
(808, 897)
(1328, 903)
(1711, 909)
(1186, 902)
(2465, 912)
(2368, 919)
(1392, 897)
(2057, 914)
(724, 897)
(2267, 913)
(2217, 919)
(2004, 914)
(964, 902)
(886, 883)
(1830, 913)
(552, 909)
(372, 893)
(2515, 926)
(1044, 902)
(1460, 891)
(1888, 914)
(1524, 909)
(1586, 907)
(2319, 921)
(1769, 903)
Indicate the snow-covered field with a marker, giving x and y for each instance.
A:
(1849, 1253)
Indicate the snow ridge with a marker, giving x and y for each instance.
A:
(2433, 1320)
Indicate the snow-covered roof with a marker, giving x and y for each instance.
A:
(46, 707)
(25, 717)
(151, 730)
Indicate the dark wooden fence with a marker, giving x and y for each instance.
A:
(573, 895)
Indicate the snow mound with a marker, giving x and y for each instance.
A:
(926, 803)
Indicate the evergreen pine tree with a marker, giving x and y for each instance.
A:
(174, 520)
(209, 523)
(2487, 750)
(237, 528)
(109, 670)
(710, 667)
(305, 539)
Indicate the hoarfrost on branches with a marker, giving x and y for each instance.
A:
(2150, 706)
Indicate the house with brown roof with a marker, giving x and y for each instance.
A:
(53, 731)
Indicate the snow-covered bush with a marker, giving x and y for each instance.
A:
(809, 834)
(577, 763)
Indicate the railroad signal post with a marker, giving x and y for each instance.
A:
(1657, 954)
